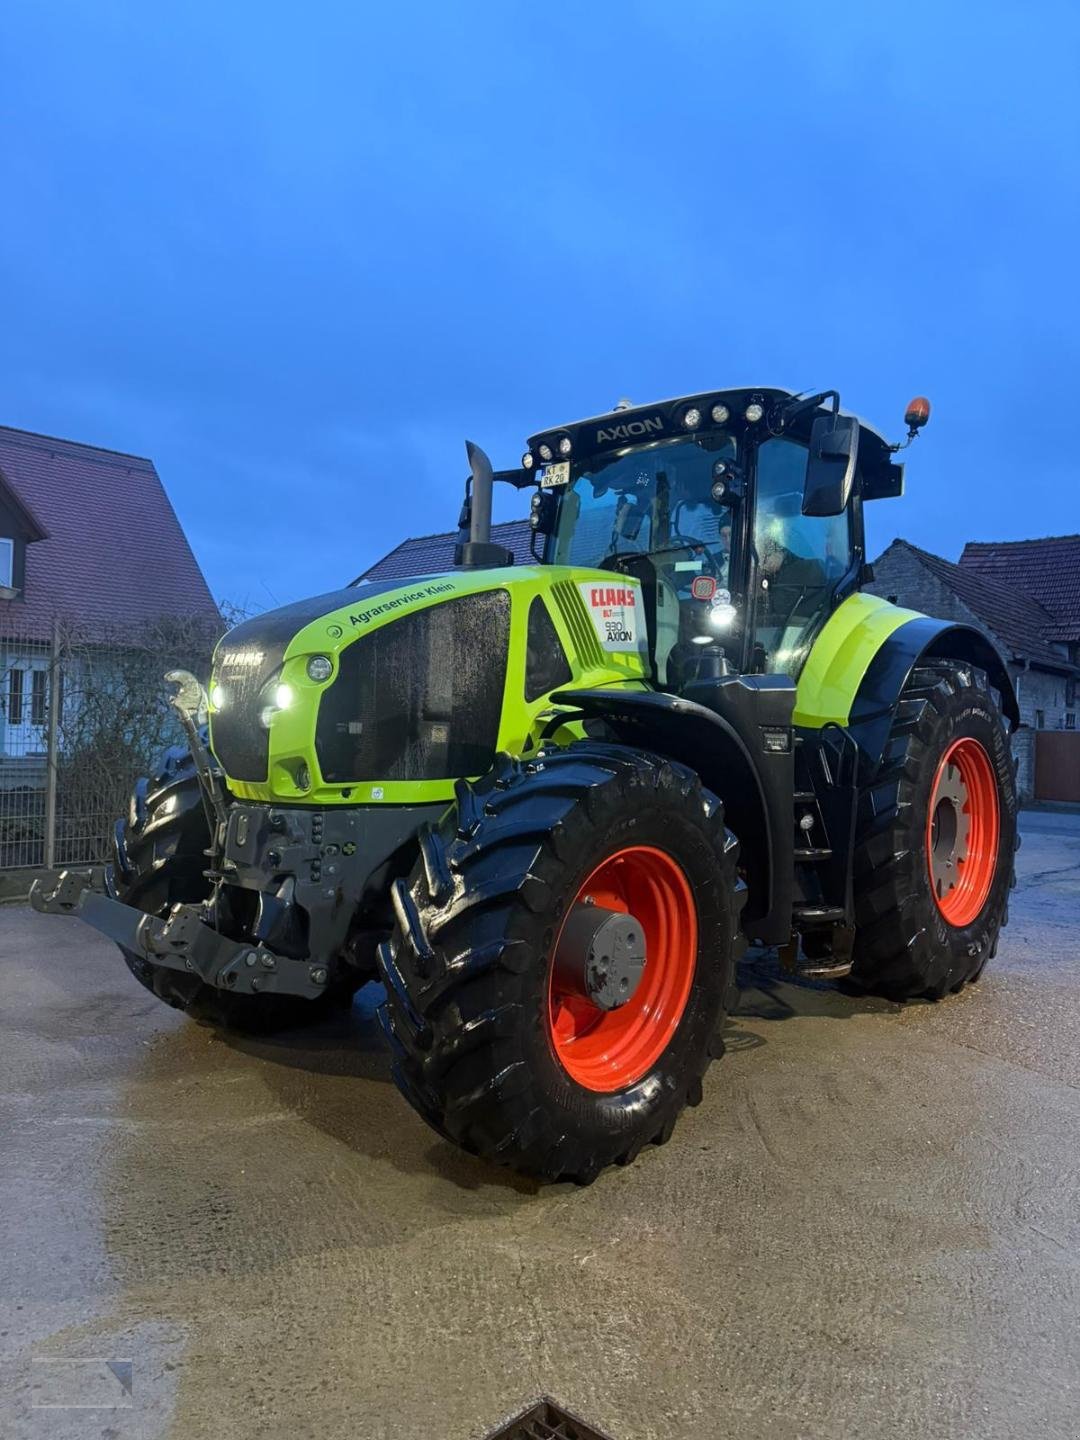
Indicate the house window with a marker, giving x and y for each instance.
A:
(1070, 720)
(37, 697)
(1040, 719)
(7, 561)
(15, 697)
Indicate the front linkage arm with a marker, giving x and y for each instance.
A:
(181, 941)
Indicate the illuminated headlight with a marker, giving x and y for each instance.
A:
(691, 418)
(217, 696)
(274, 698)
(754, 413)
(319, 668)
(565, 445)
(527, 461)
(720, 414)
(546, 452)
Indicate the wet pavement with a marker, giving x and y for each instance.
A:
(870, 1227)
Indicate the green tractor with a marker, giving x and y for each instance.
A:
(547, 804)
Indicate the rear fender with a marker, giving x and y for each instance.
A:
(864, 657)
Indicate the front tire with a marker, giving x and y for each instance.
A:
(489, 1045)
(936, 839)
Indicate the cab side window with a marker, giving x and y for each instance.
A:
(801, 560)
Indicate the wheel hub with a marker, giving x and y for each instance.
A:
(962, 830)
(950, 830)
(601, 955)
(632, 918)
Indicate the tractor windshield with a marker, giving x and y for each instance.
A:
(652, 500)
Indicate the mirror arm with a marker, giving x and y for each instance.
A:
(810, 402)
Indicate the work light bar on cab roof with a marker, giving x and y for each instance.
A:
(750, 415)
(628, 424)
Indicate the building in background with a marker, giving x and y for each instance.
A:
(432, 554)
(97, 585)
(1025, 596)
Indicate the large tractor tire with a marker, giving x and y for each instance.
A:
(500, 1039)
(936, 839)
(160, 859)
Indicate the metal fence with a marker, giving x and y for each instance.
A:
(83, 713)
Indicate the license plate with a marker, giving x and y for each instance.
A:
(552, 475)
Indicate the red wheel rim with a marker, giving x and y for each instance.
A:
(606, 1050)
(962, 831)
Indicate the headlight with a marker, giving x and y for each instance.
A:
(217, 697)
(720, 414)
(320, 668)
(273, 698)
(754, 412)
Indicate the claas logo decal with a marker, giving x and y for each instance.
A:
(605, 595)
(613, 614)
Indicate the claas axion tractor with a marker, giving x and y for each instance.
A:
(547, 804)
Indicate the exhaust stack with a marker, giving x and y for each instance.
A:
(478, 553)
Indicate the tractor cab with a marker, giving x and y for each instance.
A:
(740, 512)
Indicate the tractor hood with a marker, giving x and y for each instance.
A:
(389, 693)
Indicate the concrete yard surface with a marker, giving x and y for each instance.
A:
(870, 1227)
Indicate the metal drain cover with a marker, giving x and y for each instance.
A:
(546, 1421)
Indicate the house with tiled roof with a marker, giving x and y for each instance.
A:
(89, 539)
(431, 554)
(89, 534)
(1025, 596)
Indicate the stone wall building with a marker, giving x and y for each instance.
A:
(1025, 596)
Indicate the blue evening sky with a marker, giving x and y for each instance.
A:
(296, 254)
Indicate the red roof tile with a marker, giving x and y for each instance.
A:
(1019, 622)
(1048, 570)
(115, 552)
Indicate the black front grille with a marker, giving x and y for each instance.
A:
(419, 698)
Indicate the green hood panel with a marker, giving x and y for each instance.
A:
(597, 616)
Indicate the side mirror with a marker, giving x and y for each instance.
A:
(830, 469)
(628, 518)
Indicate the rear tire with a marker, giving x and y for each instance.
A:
(472, 1013)
(160, 856)
(936, 839)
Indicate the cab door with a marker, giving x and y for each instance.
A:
(798, 561)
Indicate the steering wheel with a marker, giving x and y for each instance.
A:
(680, 544)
